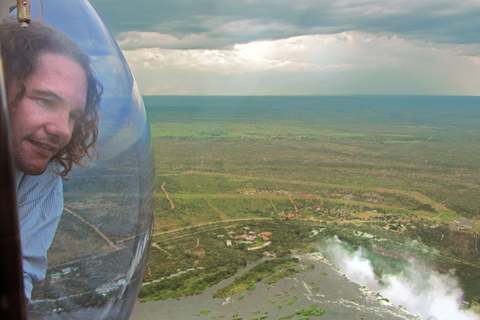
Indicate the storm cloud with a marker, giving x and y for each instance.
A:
(300, 47)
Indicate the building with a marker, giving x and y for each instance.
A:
(463, 224)
(55, 276)
(66, 270)
(266, 244)
(246, 237)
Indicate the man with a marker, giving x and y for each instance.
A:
(53, 99)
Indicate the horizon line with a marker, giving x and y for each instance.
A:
(310, 95)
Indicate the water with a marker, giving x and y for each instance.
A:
(323, 285)
(376, 115)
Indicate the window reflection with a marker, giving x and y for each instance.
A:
(99, 222)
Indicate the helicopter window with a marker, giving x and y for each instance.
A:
(83, 162)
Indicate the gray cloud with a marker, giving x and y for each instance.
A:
(296, 47)
(438, 21)
(348, 62)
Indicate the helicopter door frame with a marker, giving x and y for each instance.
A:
(12, 295)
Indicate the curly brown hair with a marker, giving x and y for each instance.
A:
(20, 49)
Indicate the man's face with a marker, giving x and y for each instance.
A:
(42, 122)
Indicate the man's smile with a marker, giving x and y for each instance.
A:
(46, 148)
(42, 146)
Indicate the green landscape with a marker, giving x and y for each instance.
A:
(377, 172)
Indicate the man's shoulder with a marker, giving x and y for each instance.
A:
(44, 182)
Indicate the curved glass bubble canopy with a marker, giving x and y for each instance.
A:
(98, 255)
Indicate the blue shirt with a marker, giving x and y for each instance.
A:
(40, 205)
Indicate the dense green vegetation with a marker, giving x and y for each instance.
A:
(312, 311)
(424, 144)
(218, 261)
(256, 274)
(311, 172)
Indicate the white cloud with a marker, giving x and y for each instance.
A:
(251, 57)
(307, 53)
(391, 64)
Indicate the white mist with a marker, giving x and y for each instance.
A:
(431, 296)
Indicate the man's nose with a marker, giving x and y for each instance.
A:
(60, 126)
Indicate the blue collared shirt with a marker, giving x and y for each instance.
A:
(40, 205)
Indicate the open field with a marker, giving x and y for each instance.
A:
(243, 182)
(411, 146)
(399, 168)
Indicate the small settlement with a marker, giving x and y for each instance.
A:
(250, 238)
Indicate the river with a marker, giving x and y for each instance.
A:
(323, 285)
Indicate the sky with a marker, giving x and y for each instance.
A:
(301, 47)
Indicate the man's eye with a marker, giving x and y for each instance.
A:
(45, 102)
(74, 116)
